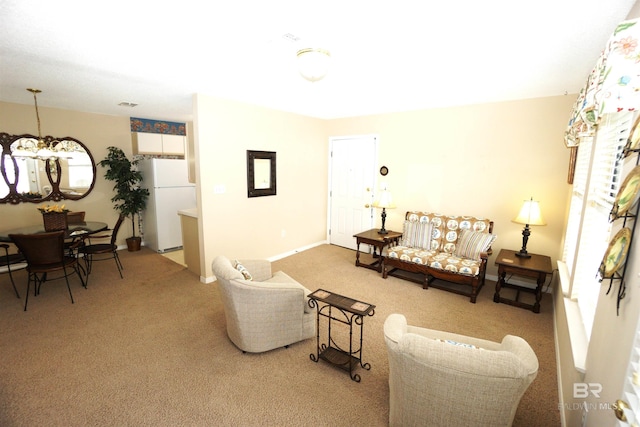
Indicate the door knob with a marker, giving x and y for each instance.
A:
(367, 205)
(619, 408)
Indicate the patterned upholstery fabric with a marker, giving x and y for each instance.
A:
(435, 383)
(242, 269)
(438, 251)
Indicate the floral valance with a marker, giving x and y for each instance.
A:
(157, 126)
(612, 86)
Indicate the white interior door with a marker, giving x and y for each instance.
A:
(351, 190)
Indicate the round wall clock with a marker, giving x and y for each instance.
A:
(384, 171)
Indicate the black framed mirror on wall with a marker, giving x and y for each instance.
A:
(261, 173)
(36, 180)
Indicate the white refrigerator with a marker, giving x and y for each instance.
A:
(169, 192)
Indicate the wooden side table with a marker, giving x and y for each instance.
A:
(536, 267)
(378, 241)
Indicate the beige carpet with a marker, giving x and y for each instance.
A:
(151, 350)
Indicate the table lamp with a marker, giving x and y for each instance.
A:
(384, 202)
(529, 215)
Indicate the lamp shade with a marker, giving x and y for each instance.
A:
(313, 63)
(384, 201)
(530, 214)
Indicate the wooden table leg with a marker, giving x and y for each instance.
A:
(541, 279)
(501, 275)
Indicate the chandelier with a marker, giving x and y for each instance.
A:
(313, 63)
(49, 149)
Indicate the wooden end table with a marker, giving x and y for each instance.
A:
(536, 267)
(378, 241)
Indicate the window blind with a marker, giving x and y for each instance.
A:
(596, 183)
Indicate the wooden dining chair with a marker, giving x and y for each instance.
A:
(75, 217)
(102, 251)
(70, 246)
(45, 254)
(11, 262)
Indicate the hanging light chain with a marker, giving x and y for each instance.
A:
(35, 100)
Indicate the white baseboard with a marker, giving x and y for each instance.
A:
(295, 251)
(274, 258)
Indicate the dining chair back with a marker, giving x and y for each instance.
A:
(45, 254)
(75, 217)
(103, 251)
(70, 245)
(10, 263)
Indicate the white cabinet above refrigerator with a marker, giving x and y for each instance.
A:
(158, 144)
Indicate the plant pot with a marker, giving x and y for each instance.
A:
(133, 244)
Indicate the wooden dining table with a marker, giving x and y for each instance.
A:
(78, 229)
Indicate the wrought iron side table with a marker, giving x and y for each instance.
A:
(338, 308)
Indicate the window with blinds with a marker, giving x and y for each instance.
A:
(595, 187)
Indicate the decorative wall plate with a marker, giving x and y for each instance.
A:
(615, 254)
(633, 143)
(384, 171)
(627, 195)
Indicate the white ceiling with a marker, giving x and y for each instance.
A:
(386, 55)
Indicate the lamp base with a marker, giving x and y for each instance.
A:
(384, 217)
(523, 254)
(526, 232)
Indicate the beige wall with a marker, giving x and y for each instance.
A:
(479, 160)
(260, 227)
(96, 131)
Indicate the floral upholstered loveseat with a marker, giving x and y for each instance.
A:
(450, 248)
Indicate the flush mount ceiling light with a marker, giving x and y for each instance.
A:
(313, 63)
(127, 104)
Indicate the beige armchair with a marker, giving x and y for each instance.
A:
(266, 312)
(443, 379)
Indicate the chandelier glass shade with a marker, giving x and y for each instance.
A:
(313, 63)
(42, 148)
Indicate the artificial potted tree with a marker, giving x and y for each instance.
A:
(130, 199)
